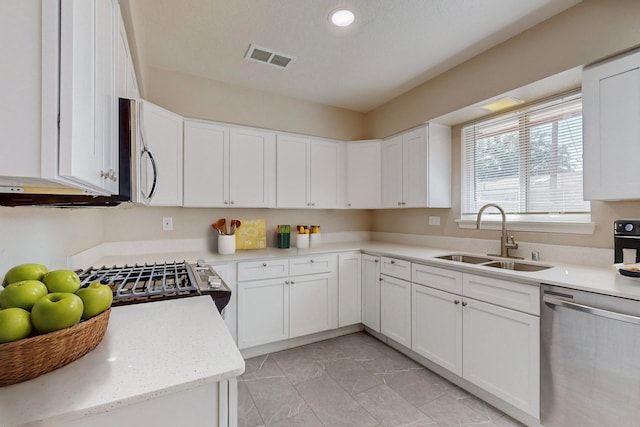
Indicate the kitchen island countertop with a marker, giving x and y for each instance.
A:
(149, 350)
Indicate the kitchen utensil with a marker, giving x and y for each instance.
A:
(235, 223)
(220, 226)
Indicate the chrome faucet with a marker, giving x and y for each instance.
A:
(506, 242)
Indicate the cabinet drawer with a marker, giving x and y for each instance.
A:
(312, 265)
(517, 296)
(395, 268)
(266, 269)
(438, 278)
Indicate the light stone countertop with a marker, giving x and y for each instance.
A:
(149, 350)
(605, 280)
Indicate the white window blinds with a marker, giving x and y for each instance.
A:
(528, 161)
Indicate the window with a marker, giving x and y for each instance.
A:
(529, 162)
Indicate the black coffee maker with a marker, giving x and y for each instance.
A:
(626, 236)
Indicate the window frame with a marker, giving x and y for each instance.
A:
(574, 223)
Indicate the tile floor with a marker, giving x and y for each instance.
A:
(354, 380)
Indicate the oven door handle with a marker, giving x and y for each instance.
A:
(635, 320)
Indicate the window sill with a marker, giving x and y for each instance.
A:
(576, 225)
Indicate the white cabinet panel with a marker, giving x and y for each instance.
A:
(315, 264)
(162, 133)
(323, 173)
(438, 278)
(292, 171)
(264, 269)
(611, 120)
(363, 175)
(204, 166)
(516, 296)
(251, 168)
(502, 353)
(416, 168)
(395, 310)
(395, 267)
(313, 304)
(437, 327)
(349, 289)
(371, 291)
(263, 312)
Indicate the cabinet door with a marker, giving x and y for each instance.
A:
(392, 172)
(363, 175)
(292, 172)
(252, 162)
(127, 86)
(88, 94)
(414, 172)
(162, 132)
(395, 310)
(611, 110)
(205, 145)
(502, 353)
(313, 301)
(263, 312)
(349, 289)
(436, 325)
(323, 177)
(438, 166)
(371, 291)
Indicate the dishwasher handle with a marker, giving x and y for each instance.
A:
(628, 318)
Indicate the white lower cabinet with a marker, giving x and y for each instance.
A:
(488, 342)
(371, 291)
(298, 297)
(437, 327)
(349, 289)
(395, 309)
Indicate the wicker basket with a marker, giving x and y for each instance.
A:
(31, 357)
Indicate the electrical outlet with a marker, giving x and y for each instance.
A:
(434, 220)
(167, 223)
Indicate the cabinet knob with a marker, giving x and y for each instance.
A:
(456, 302)
(393, 262)
(226, 202)
(380, 279)
(264, 264)
(311, 261)
(286, 282)
(232, 202)
(349, 205)
(376, 260)
(464, 304)
(292, 282)
(404, 203)
(399, 203)
(313, 203)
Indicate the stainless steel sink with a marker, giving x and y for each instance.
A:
(469, 259)
(516, 266)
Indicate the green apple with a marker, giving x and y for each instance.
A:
(56, 311)
(15, 324)
(62, 281)
(96, 298)
(24, 272)
(22, 294)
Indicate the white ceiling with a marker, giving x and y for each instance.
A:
(394, 45)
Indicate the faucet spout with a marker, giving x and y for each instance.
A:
(506, 242)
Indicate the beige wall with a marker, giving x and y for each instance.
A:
(581, 35)
(129, 223)
(207, 99)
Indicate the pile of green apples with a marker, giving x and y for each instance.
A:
(34, 298)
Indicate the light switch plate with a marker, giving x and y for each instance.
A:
(434, 220)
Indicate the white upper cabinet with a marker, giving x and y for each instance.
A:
(611, 123)
(60, 65)
(162, 134)
(228, 166)
(251, 168)
(308, 173)
(416, 168)
(127, 86)
(363, 175)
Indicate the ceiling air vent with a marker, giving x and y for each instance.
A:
(267, 56)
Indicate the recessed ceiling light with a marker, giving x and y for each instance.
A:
(342, 17)
(502, 103)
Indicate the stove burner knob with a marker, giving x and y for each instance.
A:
(214, 282)
(628, 227)
(200, 263)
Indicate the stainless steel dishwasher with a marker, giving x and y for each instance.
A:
(590, 359)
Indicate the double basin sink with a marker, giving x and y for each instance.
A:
(488, 262)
